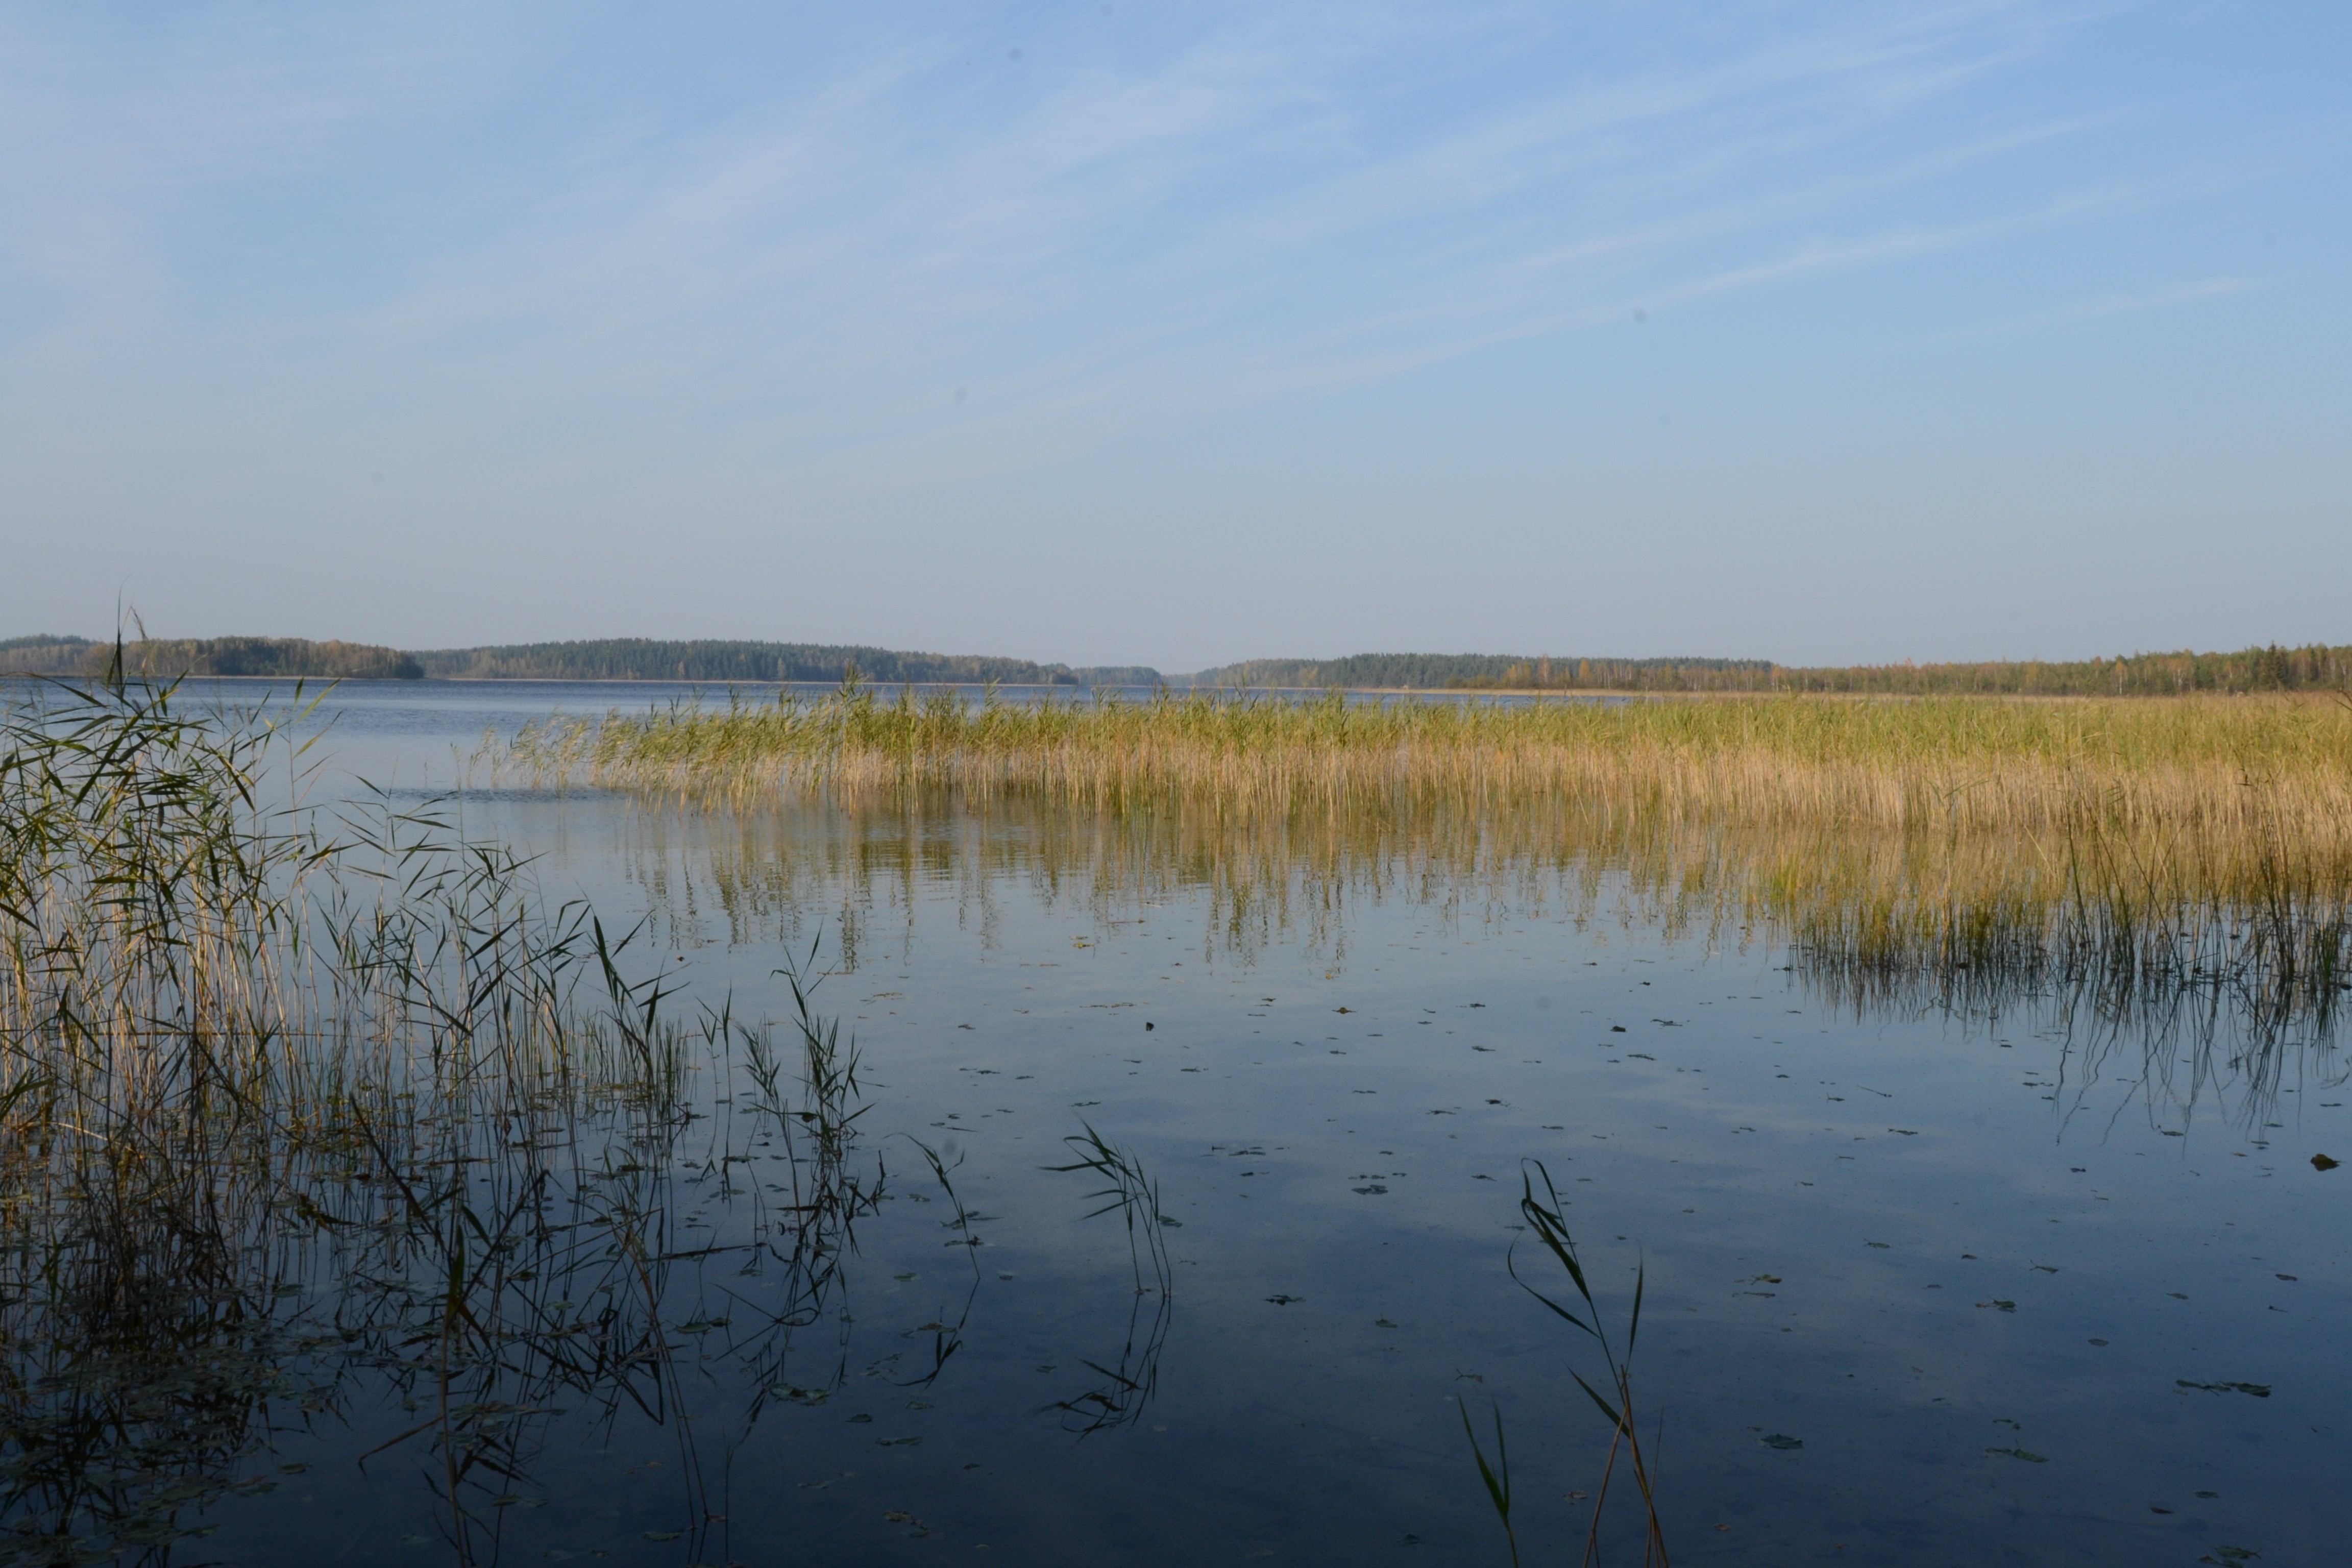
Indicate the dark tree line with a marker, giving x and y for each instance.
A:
(2272, 668)
(716, 662)
(163, 658)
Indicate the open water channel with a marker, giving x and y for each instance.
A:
(1924, 1285)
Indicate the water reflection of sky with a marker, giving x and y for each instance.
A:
(1975, 1280)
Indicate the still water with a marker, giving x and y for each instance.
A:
(1923, 1285)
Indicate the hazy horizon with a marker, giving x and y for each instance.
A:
(1552, 655)
(1105, 334)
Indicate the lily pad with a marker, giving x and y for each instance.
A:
(1780, 1440)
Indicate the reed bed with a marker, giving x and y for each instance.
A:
(1871, 824)
(2229, 931)
(2232, 800)
(189, 975)
(2147, 839)
(2266, 765)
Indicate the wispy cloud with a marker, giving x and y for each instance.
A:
(1206, 225)
(904, 217)
(2168, 297)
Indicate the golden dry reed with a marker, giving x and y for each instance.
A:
(2139, 843)
(2281, 763)
(2229, 798)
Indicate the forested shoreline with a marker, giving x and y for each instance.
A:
(718, 662)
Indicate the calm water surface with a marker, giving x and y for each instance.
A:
(1923, 1288)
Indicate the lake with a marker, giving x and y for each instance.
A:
(1933, 1272)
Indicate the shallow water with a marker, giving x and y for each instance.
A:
(1922, 1288)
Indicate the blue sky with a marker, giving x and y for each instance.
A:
(1179, 334)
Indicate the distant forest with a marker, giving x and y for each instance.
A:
(2139, 674)
(43, 655)
(1428, 672)
(284, 658)
(711, 662)
(719, 663)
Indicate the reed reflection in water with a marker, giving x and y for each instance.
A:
(2217, 967)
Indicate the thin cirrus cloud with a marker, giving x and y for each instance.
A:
(1071, 245)
(2168, 297)
(1214, 195)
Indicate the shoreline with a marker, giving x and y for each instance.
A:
(1581, 693)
